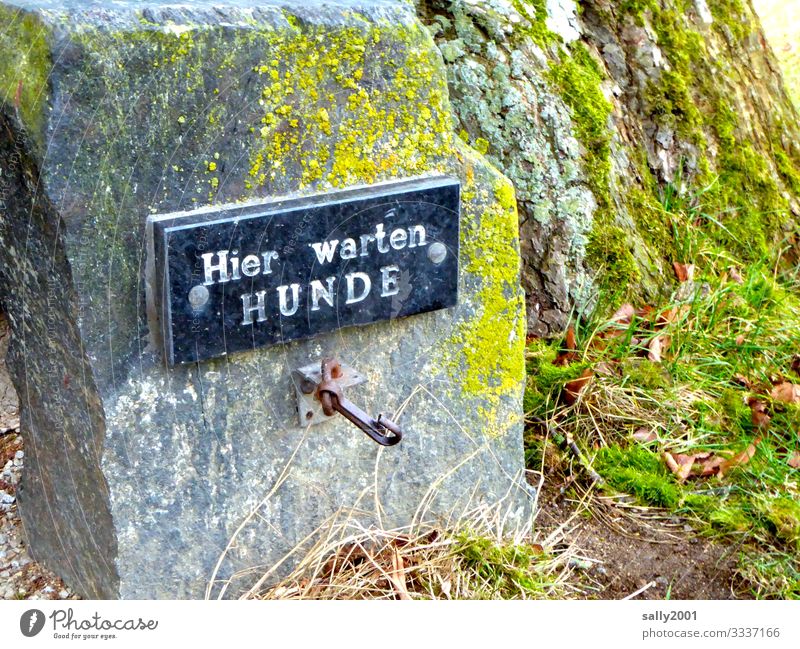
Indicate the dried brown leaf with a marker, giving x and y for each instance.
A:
(398, 576)
(786, 392)
(740, 458)
(709, 465)
(684, 272)
(685, 464)
(645, 435)
(665, 317)
(624, 315)
(572, 389)
(740, 340)
(758, 413)
(794, 461)
(669, 460)
(656, 347)
(604, 368)
(570, 347)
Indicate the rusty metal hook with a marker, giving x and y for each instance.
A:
(381, 430)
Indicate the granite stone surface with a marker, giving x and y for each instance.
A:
(149, 481)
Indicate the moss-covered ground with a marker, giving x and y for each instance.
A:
(693, 405)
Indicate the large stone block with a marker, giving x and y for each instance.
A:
(139, 474)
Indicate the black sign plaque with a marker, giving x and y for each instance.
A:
(246, 276)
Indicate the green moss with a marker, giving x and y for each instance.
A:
(739, 190)
(502, 570)
(609, 252)
(545, 379)
(535, 25)
(578, 77)
(731, 13)
(645, 374)
(730, 519)
(24, 67)
(671, 105)
(782, 517)
(637, 471)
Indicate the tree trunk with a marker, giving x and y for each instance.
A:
(622, 125)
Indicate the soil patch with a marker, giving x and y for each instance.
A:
(623, 549)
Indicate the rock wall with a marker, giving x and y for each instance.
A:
(144, 480)
(604, 114)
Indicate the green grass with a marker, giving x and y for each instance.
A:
(723, 331)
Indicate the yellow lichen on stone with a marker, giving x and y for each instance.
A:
(369, 128)
(490, 362)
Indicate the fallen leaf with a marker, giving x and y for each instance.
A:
(739, 340)
(572, 389)
(570, 339)
(758, 413)
(672, 465)
(665, 317)
(742, 380)
(570, 348)
(796, 364)
(645, 435)
(685, 464)
(656, 347)
(786, 392)
(684, 272)
(740, 458)
(794, 461)
(681, 464)
(710, 465)
(624, 314)
(735, 275)
(398, 576)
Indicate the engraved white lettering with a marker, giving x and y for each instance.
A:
(221, 267)
(325, 250)
(286, 310)
(247, 308)
(352, 298)
(398, 239)
(251, 266)
(379, 236)
(389, 281)
(268, 257)
(348, 249)
(318, 291)
(416, 236)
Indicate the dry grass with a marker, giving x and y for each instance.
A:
(349, 561)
